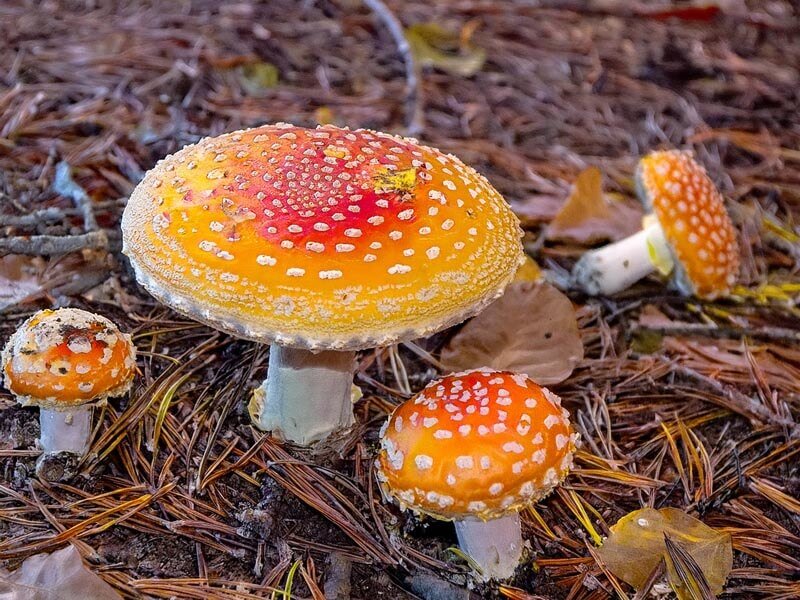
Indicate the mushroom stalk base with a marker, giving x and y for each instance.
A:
(307, 395)
(617, 266)
(495, 546)
(65, 430)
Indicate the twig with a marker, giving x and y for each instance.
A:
(94, 238)
(53, 244)
(34, 218)
(742, 403)
(64, 184)
(415, 117)
(765, 333)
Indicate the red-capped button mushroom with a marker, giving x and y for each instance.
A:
(66, 362)
(321, 242)
(477, 447)
(688, 234)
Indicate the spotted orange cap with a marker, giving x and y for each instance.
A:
(692, 214)
(320, 238)
(59, 359)
(479, 443)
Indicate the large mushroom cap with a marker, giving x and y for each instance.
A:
(320, 238)
(475, 444)
(692, 214)
(59, 359)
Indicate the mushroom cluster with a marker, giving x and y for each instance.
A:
(66, 362)
(687, 235)
(320, 242)
(475, 448)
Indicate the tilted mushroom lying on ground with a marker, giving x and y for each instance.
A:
(688, 234)
(475, 448)
(66, 362)
(320, 242)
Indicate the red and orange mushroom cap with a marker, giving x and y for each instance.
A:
(475, 444)
(692, 214)
(320, 238)
(59, 359)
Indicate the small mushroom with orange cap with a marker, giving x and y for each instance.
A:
(476, 448)
(687, 235)
(320, 242)
(67, 361)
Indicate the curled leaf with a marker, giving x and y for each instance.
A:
(590, 216)
(433, 46)
(57, 576)
(698, 557)
(531, 329)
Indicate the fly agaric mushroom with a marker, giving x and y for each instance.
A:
(65, 362)
(320, 242)
(477, 447)
(688, 234)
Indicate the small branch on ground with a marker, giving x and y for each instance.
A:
(31, 219)
(777, 334)
(742, 404)
(44, 245)
(65, 185)
(415, 117)
(34, 245)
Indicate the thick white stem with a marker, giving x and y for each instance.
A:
(307, 395)
(617, 266)
(496, 545)
(65, 430)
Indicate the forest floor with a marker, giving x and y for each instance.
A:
(679, 402)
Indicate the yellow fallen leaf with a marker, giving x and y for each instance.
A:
(530, 329)
(324, 115)
(433, 46)
(258, 77)
(528, 271)
(590, 216)
(637, 544)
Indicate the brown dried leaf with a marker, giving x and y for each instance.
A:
(18, 279)
(57, 576)
(589, 216)
(531, 329)
(536, 209)
(637, 544)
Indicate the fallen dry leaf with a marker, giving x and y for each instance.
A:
(528, 271)
(57, 576)
(589, 216)
(531, 329)
(436, 47)
(536, 209)
(18, 278)
(636, 546)
(724, 359)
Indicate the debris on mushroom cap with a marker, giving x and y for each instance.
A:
(320, 238)
(479, 444)
(59, 359)
(692, 214)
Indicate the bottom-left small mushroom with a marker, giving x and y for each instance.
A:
(66, 362)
